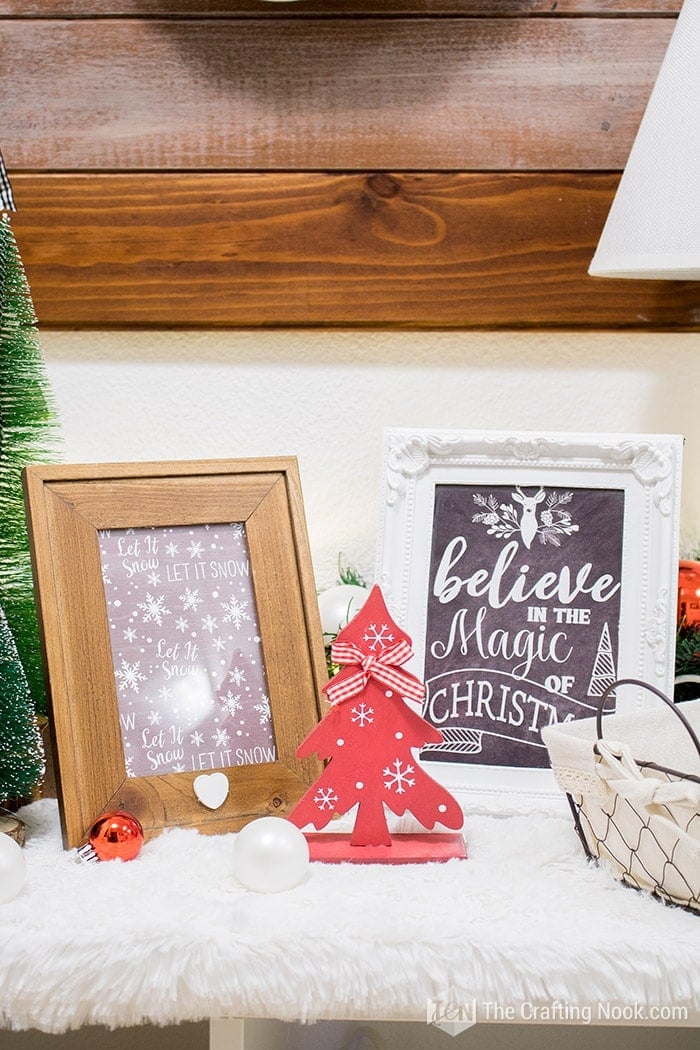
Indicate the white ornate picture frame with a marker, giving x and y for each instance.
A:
(531, 570)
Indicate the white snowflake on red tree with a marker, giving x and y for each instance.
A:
(399, 777)
(377, 637)
(370, 736)
(362, 715)
(325, 798)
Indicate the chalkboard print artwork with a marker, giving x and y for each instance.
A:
(523, 616)
(188, 663)
(371, 737)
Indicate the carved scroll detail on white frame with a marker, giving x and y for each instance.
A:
(653, 466)
(527, 449)
(656, 635)
(412, 457)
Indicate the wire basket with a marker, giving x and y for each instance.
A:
(639, 818)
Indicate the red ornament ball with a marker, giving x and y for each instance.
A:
(116, 836)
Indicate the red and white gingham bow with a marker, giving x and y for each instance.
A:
(384, 667)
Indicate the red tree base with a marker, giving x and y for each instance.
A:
(335, 848)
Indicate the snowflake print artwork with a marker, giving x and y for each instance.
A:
(188, 663)
(371, 736)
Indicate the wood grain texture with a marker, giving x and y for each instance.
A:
(440, 249)
(66, 507)
(282, 625)
(184, 500)
(246, 120)
(332, 94)
(343, 8)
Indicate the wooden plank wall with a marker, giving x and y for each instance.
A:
(424, 163)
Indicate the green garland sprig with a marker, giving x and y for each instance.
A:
(688, 649)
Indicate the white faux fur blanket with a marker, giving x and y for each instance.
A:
(172, 935)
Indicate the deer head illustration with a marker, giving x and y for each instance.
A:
(528, 518)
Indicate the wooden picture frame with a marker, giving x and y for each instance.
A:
(531, 570)
(71, 509)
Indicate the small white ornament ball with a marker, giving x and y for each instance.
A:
(270, 855)
(13, 869)
(339, 604)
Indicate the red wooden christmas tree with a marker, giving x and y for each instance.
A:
(370, 735)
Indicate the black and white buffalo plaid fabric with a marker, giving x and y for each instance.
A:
(7, 201)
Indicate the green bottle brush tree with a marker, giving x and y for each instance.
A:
(28, 429)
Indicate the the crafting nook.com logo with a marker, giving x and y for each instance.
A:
(451, 1013)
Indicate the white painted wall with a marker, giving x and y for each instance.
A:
(326, 395)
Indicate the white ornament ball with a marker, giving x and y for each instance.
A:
(13, 869)
(270, 855)
(339, 604)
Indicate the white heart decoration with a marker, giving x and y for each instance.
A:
(211, 789)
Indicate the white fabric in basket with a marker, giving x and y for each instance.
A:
(621, 773)
(652, 735)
